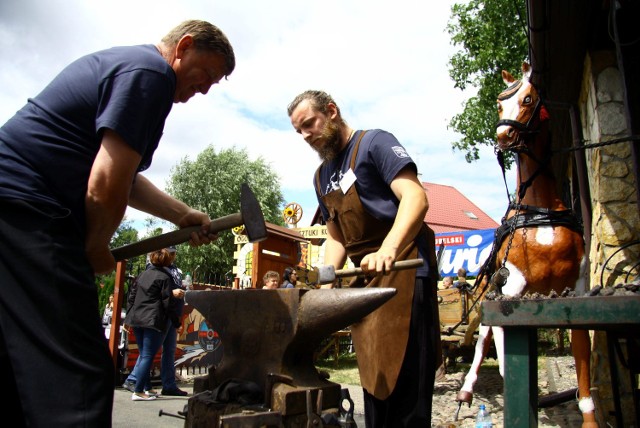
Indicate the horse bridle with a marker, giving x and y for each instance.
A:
(524, 129)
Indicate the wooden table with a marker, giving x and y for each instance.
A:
(521, 320)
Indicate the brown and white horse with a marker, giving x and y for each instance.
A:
(539, 246)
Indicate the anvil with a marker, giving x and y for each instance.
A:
(267, 332)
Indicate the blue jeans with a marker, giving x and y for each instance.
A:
(167, 366)
(149, 342)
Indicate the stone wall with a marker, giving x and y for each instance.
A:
(615, 221)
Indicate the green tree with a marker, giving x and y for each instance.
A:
(125, 234)
(105, 284)
(137, 264)
(212, 184)
(154, 226)
(492, 37)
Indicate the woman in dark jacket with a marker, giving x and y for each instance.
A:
(290, 277)
(151, 307)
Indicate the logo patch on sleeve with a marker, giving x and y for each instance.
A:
(400, 151)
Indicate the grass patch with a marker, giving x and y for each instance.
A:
(344, 371)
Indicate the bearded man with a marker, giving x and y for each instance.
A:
(374, 207)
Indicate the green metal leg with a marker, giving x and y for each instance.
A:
(520, 378)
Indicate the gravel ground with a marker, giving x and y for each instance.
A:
(557, 374)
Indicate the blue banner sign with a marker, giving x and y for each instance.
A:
(468, 249)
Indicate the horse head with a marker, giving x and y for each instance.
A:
(520, 111)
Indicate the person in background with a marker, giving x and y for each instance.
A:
(152, 307)
(109, 306)
(290, 278)
(71, 160)
(107, 314)
(447, 282)
(374, 207)
(169, 344)
(271, 279)
(462, 283)
(107, 317)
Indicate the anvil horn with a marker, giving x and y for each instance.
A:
(329, 310)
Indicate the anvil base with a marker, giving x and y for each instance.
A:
(289, 409)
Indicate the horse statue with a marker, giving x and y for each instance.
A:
(539, 246)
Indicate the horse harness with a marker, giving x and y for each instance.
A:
(527, 217)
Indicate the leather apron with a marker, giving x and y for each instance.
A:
(380, 339)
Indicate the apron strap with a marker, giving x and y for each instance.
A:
(355, 151)
(352, 165)
(317, 180)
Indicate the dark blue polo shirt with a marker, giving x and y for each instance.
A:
(47, 149)
(379, 160)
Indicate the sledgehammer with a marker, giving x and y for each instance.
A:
(250, 216)
(328, 274)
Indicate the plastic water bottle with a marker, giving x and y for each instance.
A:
(187, 282)
(483, 418)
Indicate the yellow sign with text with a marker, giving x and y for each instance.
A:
(312, 232)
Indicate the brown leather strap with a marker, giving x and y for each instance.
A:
(317, 180)
(355, 151)
(352, 165)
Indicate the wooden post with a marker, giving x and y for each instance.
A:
(118, 297)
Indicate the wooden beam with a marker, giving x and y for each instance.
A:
(118, 297)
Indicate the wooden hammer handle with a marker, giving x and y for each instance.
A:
(174, 237)
(401, 265)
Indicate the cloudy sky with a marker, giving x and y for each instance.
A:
(384, 62)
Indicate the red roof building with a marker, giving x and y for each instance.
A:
(451, 211)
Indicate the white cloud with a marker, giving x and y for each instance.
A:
(384, 62)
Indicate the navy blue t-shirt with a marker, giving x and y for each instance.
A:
(379, 160)
(47, 149)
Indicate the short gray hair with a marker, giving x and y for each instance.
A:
(207, 37)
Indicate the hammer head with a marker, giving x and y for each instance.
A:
(254, 225)
(319, 275)
(326, 274)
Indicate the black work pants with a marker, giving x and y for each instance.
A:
(55, 366)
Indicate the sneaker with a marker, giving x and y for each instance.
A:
(138, 397)
(129, 386)
(152, 393)
(174, 392)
